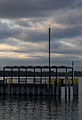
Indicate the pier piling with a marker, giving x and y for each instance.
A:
(75, 87)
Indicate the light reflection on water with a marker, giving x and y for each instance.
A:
(37, 108)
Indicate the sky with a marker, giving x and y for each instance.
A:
(24, 32)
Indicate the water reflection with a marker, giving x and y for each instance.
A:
(37, 108)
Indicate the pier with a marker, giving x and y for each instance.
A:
(36, 81)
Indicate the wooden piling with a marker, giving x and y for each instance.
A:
(65, 87)
(75, 87)
(69, 87)
(58, 88)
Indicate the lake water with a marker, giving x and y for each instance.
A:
(41, 108)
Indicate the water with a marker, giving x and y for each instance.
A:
(41, 108)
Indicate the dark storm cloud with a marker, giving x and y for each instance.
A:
(32, 8)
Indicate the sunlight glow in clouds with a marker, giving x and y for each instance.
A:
(15, 55)
(8, 47)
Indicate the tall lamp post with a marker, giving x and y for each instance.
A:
(49, 56)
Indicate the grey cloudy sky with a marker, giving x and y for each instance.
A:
(24, 31)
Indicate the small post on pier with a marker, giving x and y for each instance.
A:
(72, 71)
(66, 84)
(11, 75)
(41, 76)
(74, 82)
(69, 87)
(19, 75)
(4, 74)
(75, 87)
(56, 82)
(58, 87)
(26, 76)
(34, 76)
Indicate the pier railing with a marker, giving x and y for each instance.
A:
(36, 74)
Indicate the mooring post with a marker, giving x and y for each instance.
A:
(4, 74)
(74, 82)
(11, 75)
(72, 75)
(72, 71)
(9, 86)
(53, 86)
(18, 75)
(65, 87)
(34, 76)
(66, 83)
(26, 76)
(75, 87)
(69, 87)
(41, 77)
(56, 81)
(58, 87)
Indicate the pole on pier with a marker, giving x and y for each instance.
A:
(49, 63)
(49, 56)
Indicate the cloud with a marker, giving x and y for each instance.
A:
(71, 17)
(32, 8)
(68, 32)
(24, 31)
(6, 31)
